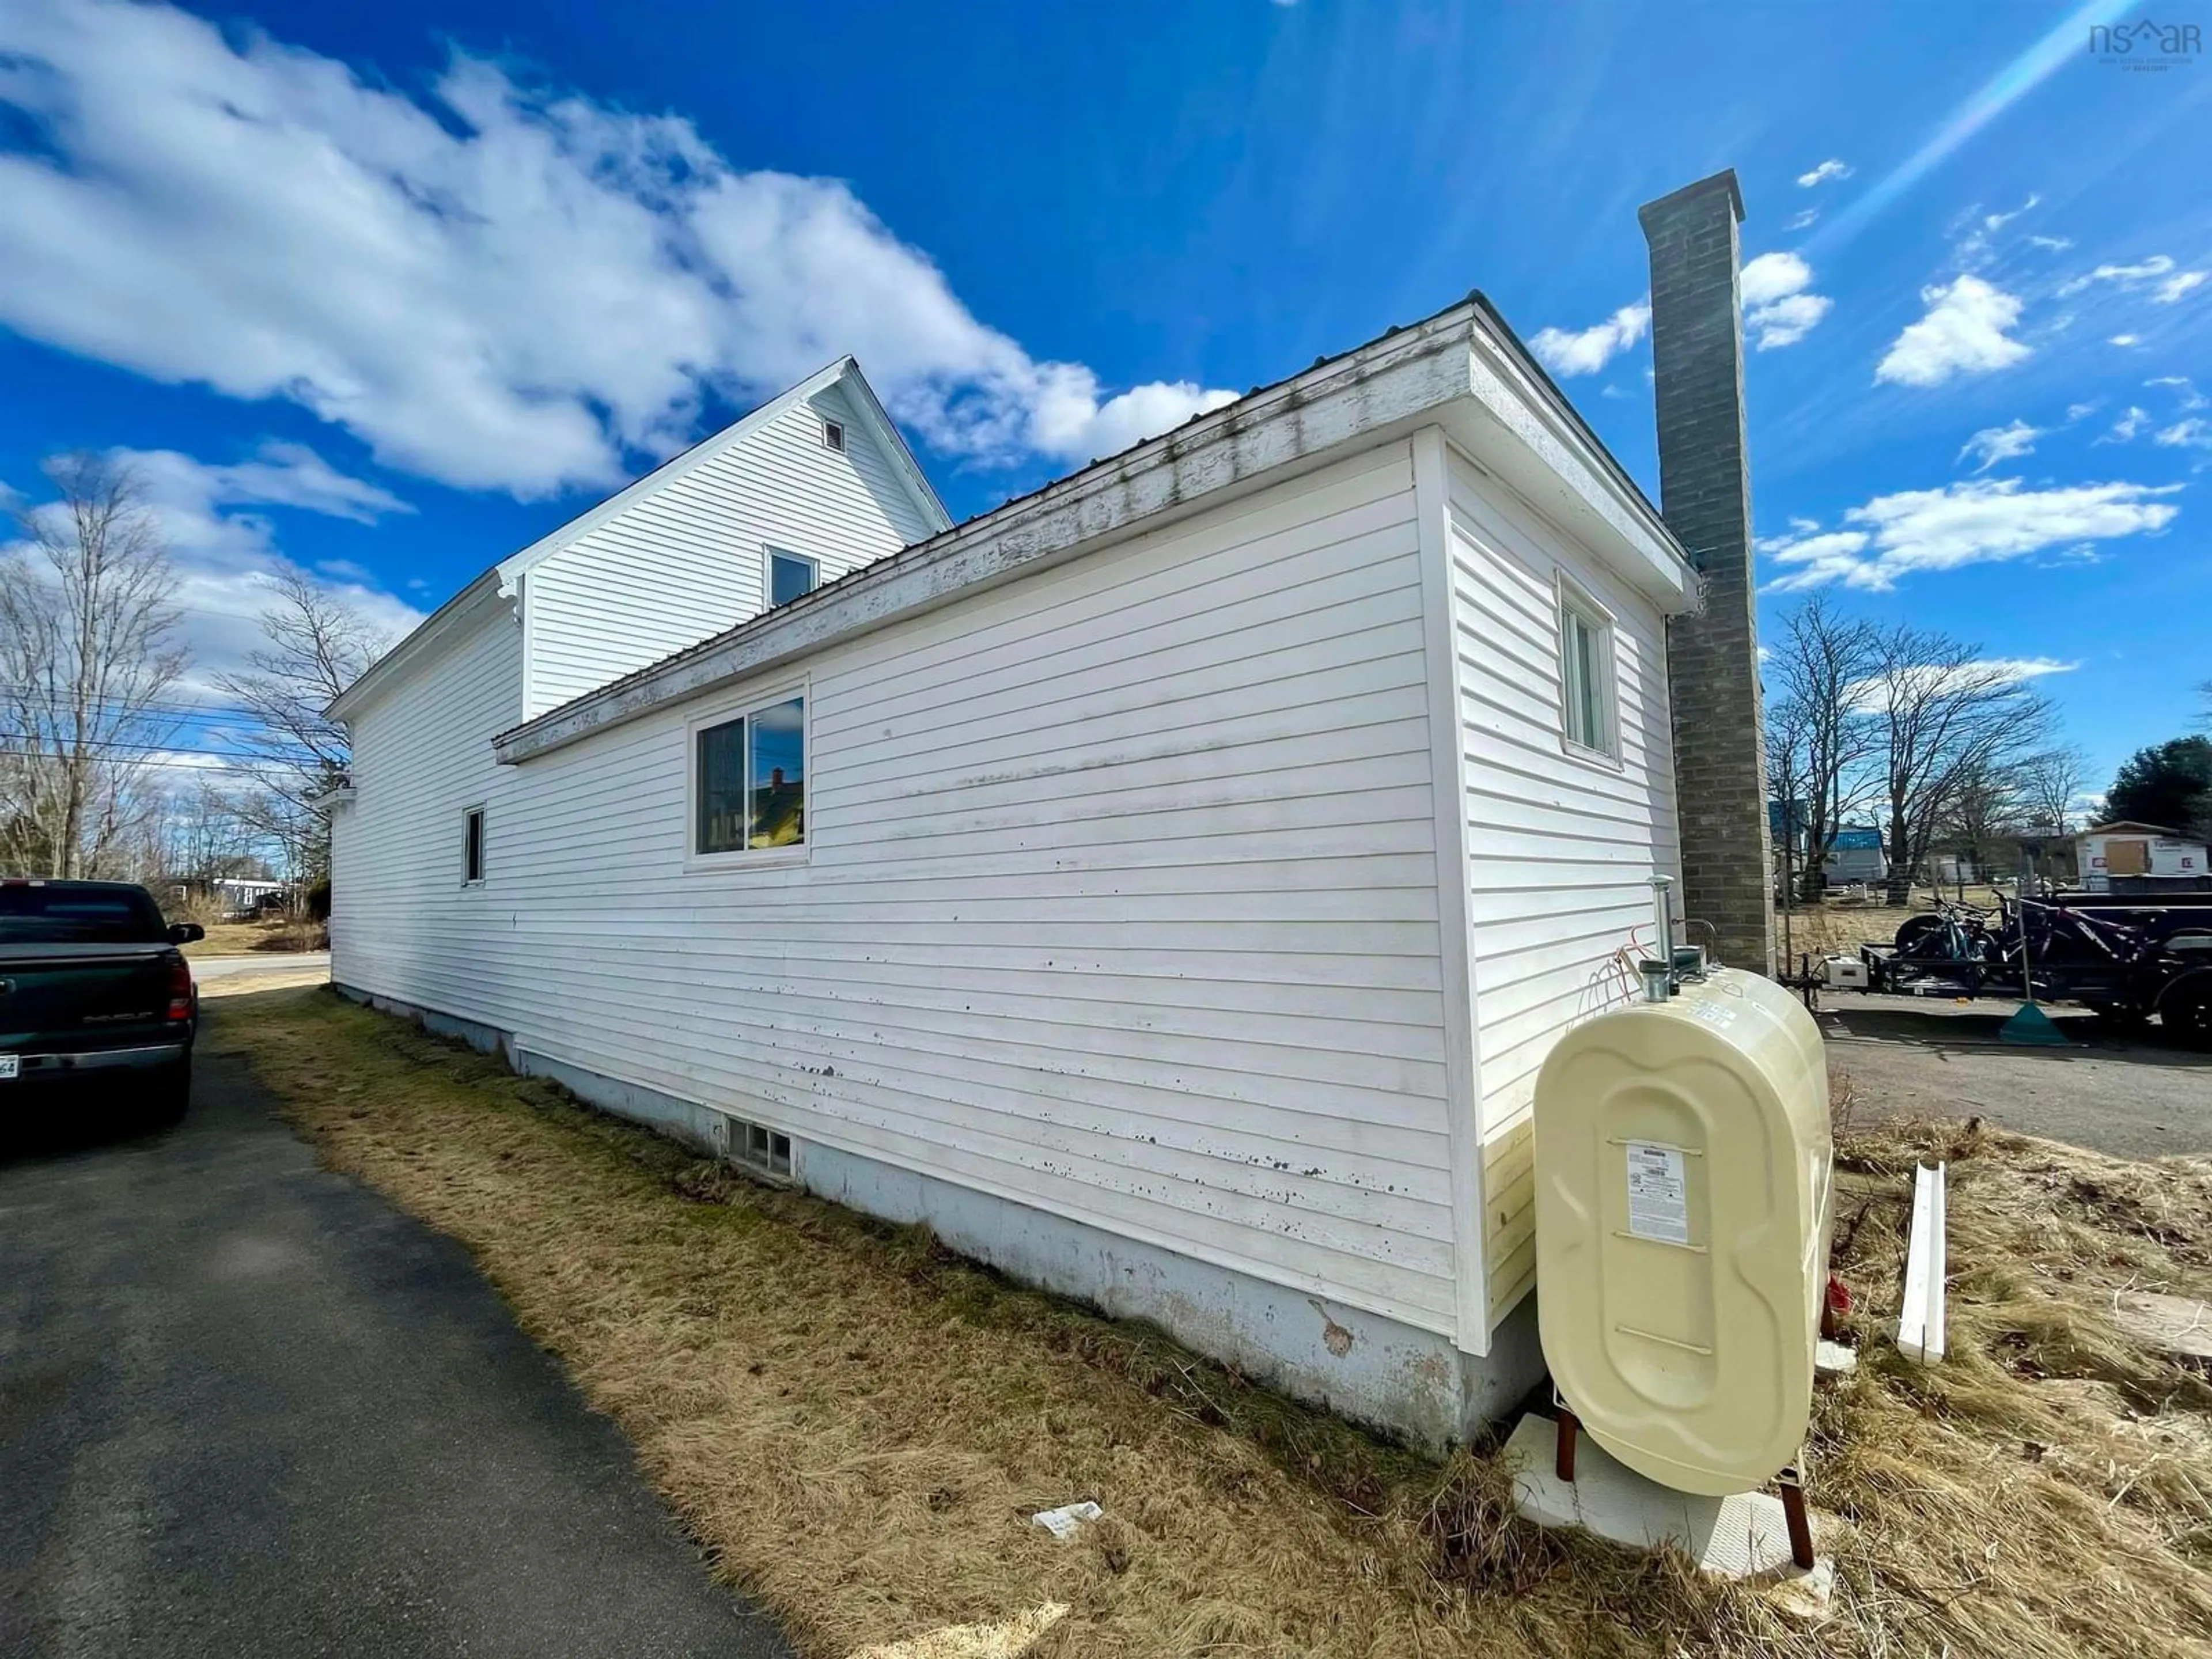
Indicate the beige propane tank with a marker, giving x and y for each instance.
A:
(1683, 1203)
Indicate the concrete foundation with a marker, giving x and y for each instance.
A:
(1375, 1370)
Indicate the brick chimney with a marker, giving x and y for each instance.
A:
(1705, 495)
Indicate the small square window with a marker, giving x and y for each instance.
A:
(833, 436)
(1586, 678)
(472, 846)
(790, 575)
(758, 1147)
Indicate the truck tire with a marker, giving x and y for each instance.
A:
(2185, 1010)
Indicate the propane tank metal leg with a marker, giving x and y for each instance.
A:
(1794, 1516)
(1570, 1430)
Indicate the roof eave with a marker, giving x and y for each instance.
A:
(429, 634)
(1465, 355)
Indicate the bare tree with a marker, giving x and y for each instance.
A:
(1946, 718)
(315, 645)
(205, 836)
(1817, 667)
(2050, 782)
(87, 653)
(1981, 812)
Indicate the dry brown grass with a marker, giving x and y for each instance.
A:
(238, 938)
(856, 1425)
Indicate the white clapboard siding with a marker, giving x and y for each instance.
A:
(1120, 900)
(685, 561)
(399, 913)
(1560, 848)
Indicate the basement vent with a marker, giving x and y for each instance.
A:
(758, 1147)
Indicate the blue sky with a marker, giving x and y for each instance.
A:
(390, 291)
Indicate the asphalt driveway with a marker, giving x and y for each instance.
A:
(248, 1408)
(2131, 1096)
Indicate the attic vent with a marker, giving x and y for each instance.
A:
(833, 436)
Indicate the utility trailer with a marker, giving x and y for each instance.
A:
(2125, 956)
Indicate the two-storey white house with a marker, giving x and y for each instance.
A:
(1165, 886)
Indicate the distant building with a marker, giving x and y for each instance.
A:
(1856, 856)
(242, 896)
(2127, 852)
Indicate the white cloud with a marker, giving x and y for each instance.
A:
(1777, 309)
(1586, 350)
(2003, 443)
(280, 475)
(1973, 229)
(2184, 389)
(1973, 522)
(1803, 219)
(1788, 320)
(1772, 276)
(1777, 306)
(1924, 680)
(1822, 173)
(2079, 553)
(2157, 265)
(498, 285)
(2078, 412)
(1963, 333)
(2195, 433)
(2125, 430)
(2051, 244)
(2124, 341)
(224, 553)
(2011, 669)
(2158, 268)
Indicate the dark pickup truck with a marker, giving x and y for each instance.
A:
(93, 990)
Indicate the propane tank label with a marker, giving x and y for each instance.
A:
(1658, 1197)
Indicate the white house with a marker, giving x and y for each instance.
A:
(1165, 886)
(242, 894)
(2124, 849)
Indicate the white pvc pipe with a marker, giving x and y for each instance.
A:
(1920, 1322)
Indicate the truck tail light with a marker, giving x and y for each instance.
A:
(181, 997)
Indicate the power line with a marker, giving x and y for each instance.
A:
(124, 745)
(182, 765)
(192, 710)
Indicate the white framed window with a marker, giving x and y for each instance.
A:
(747, 792)
(1589, 696)
(833, 435)
(789, 575)
(472, 846)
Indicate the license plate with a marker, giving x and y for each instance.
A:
(10, 1065)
